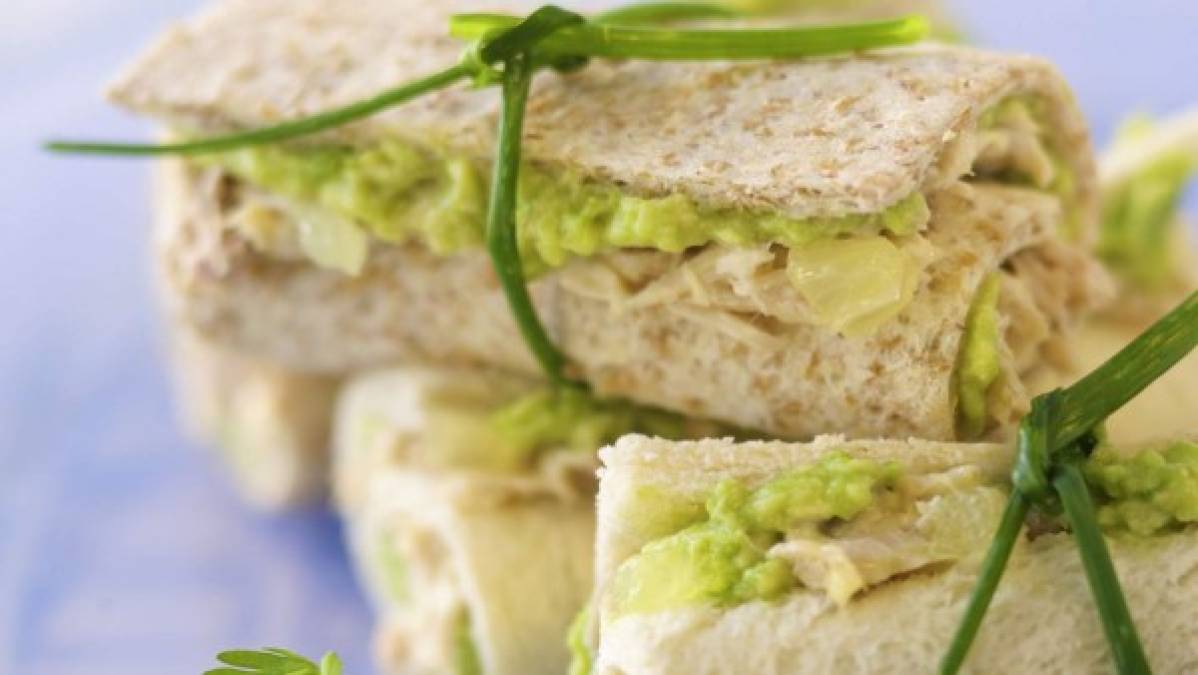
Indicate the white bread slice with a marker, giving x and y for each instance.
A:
(790, 380)
(813, 138)
(269, 425)
(509, 553)
(1042, 619)
(520, 569)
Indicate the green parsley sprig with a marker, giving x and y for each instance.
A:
(1054, 438)
(273, 661)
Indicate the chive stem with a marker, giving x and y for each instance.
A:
(280, 132)
(663, 12)
(1117, 623)
(626, 42)
(1096, 396)
(502, 242)
(991, 572)
(1050, 439)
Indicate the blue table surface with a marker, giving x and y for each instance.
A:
(122, 548)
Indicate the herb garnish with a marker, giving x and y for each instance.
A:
(1053, 439)
(501, 211)
(273, 661)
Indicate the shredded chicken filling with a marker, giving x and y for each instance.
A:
(838, 527)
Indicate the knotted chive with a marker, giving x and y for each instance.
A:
(1052, 441)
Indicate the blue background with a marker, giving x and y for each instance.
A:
(122, 549)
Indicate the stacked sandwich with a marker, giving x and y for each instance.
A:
(264, 413)
(892, 245)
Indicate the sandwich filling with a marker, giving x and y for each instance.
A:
(1139, 222)
(485, 425)
(413, 557)
(328, 204)
(843, 525)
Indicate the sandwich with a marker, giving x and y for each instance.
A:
(270, 425)
(897, 249)
(468, 498)
(289, 410)
(842, 556)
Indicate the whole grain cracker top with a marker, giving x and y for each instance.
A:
(819, 137)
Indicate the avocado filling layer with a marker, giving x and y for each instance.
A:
(1151, 492)
(495, 423)
(844, 524)
(978, 364)
(853, 273)
(399, 193)
(514, 434)
(581, 658)
(1139, 219)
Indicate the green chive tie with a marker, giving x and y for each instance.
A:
(1054, 440)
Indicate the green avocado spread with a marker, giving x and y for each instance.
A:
(722, 560)
(1139, 217)
(509, 431)
(978, 366)
(577, 420)
(576, 641)
(400, 193)
(1149, 492)
(394, 569)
